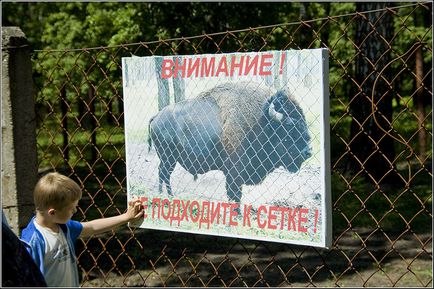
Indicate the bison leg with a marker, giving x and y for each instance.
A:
(233, 190)
(164, 171)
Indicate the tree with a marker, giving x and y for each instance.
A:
(422, 96)
(371, 106)
(95, 74)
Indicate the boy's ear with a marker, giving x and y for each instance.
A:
(51, 212)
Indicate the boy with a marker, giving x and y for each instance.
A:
(51, 233)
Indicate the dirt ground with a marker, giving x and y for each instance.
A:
(361, 257)
(356, 260)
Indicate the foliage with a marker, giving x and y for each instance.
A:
(88, 81)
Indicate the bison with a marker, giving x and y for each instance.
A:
(239, 128)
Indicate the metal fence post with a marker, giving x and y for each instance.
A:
(19, 156)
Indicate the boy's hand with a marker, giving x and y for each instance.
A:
(135, 210)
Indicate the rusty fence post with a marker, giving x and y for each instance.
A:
(19, 155)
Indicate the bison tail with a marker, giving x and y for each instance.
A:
(149, 134)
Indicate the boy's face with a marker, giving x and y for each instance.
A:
(64, 215)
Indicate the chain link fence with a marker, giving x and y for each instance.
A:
(381, 135)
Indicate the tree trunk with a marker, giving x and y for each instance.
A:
(163, 85)
(178, 85)
(372, 150)
(110, 112)
(93, 124)
(419, 102)
(325, 33)
(64, 110)
(305, 31)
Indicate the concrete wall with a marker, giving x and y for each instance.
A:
(19, 155)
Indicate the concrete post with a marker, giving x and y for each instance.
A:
(19, 156)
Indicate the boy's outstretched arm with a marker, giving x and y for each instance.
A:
(134, 212)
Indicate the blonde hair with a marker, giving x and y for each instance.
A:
(55, 190)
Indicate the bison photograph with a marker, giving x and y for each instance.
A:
(231, 144)
(242, 129)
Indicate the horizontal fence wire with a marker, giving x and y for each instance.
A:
(381, 158)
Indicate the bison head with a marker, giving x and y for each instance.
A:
(287, 131)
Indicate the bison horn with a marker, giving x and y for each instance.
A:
(277, 116)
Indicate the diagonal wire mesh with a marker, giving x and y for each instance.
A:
(381, 230)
